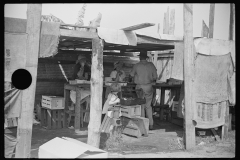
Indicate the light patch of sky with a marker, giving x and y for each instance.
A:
(117, 16)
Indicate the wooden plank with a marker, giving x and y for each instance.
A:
(230, 122)
(232, 22)
(188, 76)
(42, 117)
(24, 131)
(77, 110)
(71, 25)
(149, 40)
(172, 22)
(64, 33)
(96, 93)
(54, 120)
(211, 19)
(49, 119)
(59, 118)
(225, 126)
(138, 26)
(205, 30)
(215, 134)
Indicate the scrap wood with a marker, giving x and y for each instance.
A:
(215, 135)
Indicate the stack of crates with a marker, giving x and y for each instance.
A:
(52, 112)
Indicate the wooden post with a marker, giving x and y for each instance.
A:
(77, 110)
(188, 75)
(232, 21)
(211, 20)
(205, 30)
(25, 122)
(96, 93)
(172, 22)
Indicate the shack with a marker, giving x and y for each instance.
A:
(103, 47)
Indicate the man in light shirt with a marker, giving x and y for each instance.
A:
(145, 75)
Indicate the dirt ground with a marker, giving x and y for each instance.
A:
(165, 141)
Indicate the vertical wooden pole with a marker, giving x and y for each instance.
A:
(172, 22)
(232, 21)
(164, 23)
(211, 20)
(205, 30)
(24, 131)
(167, 21)
(77, 110)
(66, 100)
(96, 93)
(188, 75)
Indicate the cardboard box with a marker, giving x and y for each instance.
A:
(53, 102)
(69, 148)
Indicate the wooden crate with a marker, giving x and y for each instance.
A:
(137, 123)
(53, 102)
(11, 122)
(132, 132)
(131, 111)
(52, 119)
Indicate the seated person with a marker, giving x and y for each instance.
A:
(118, 74)
(82, 69)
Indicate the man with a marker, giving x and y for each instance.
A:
(145, 75)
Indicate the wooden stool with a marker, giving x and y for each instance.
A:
(52, 119)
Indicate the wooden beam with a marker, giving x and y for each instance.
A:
(205, 30)
(172, 22)
(96, 93)
(188, 76)
(90, 53)
(138, 26)
(211, 20)
(232, 21)
(64, 33)
(25, 122)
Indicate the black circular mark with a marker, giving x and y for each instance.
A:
(21, 79)
(194, 122)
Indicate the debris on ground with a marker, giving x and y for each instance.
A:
(176, 144)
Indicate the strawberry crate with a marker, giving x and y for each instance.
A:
(53, 102)
(131, 111)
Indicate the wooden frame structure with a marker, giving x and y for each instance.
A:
(133, 42)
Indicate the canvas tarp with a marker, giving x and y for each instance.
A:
(49, 39)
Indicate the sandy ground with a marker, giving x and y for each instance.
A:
(163, 142)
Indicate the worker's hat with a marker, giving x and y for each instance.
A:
(116, 64)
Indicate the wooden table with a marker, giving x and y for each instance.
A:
(78, 88)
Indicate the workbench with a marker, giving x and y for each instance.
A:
(163, 87)
(78, 87)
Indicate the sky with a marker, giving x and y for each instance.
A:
(120, 15)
